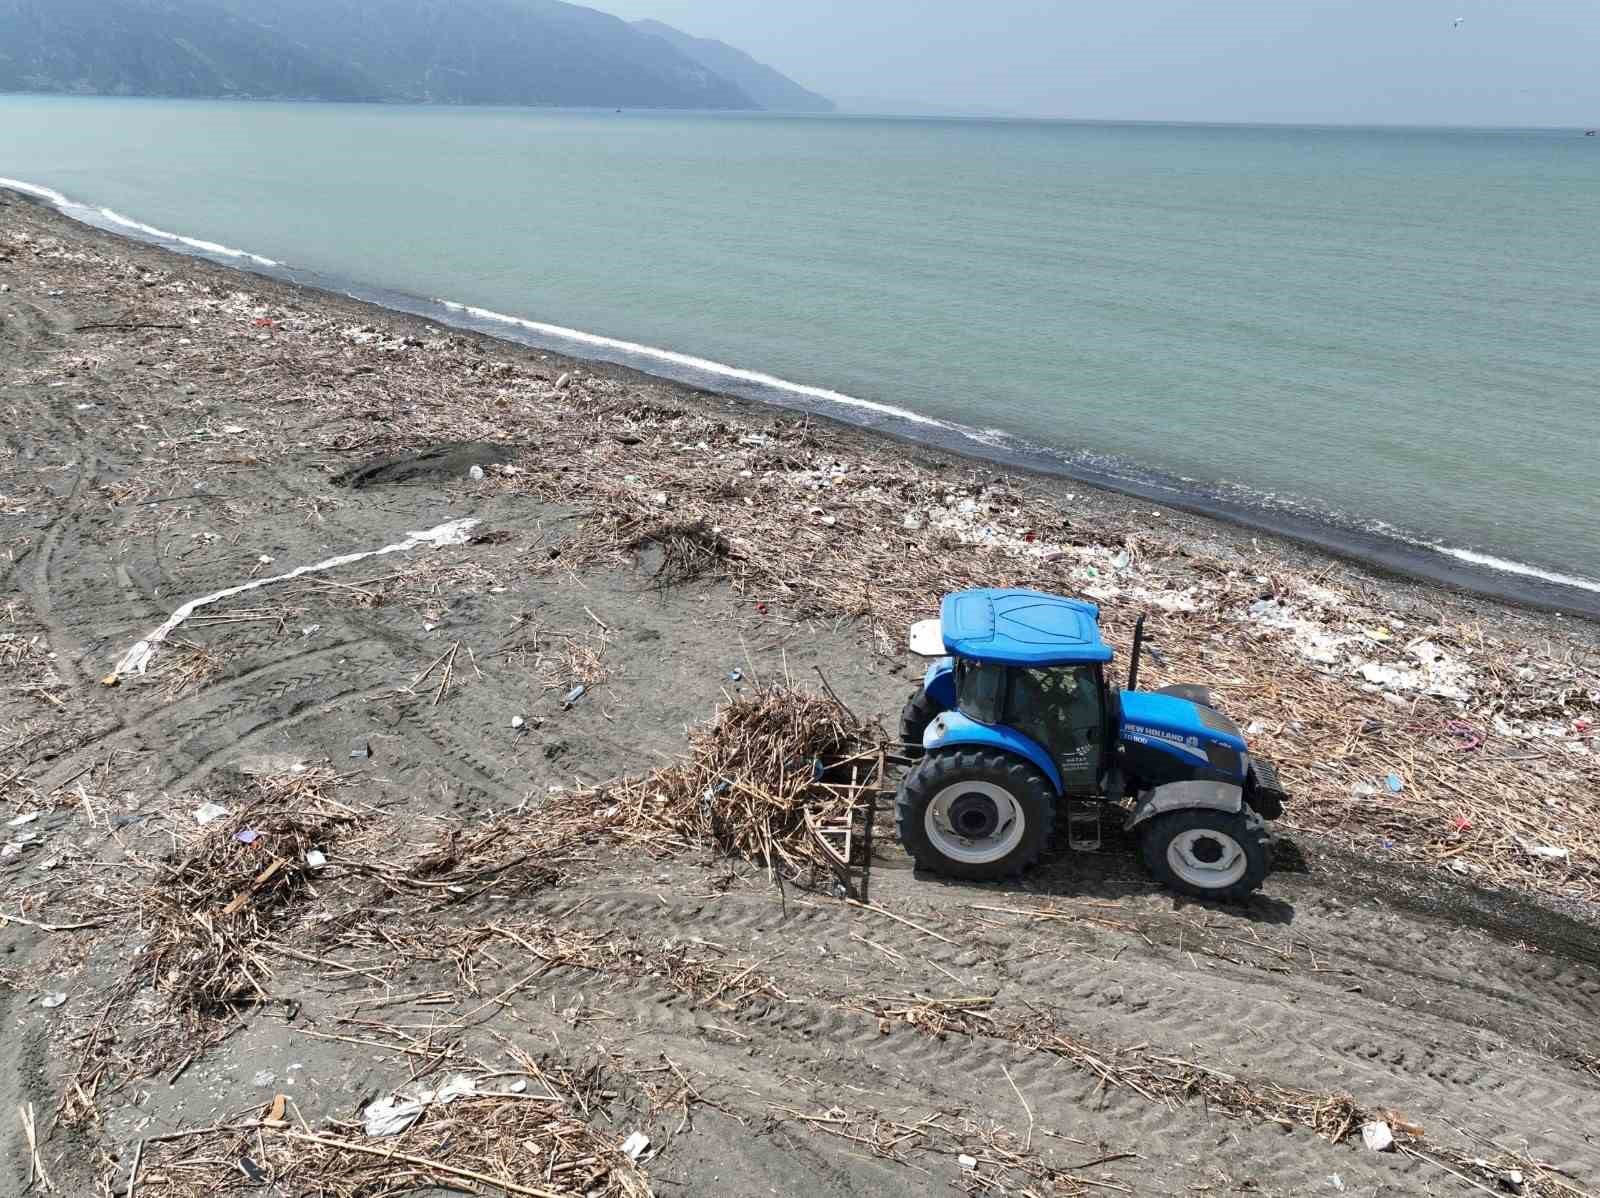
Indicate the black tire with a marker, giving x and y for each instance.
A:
(919, 712)
(1034, 796)
(1157, 836)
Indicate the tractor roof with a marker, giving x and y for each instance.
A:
(1022, 628)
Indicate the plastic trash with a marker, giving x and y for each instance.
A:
(51, 1001)
(391, 1116)
(1377, 1136)
(315, 859)
(573, 695)
(518, 723)
(1336, 1182)
(1363, 790)
(1549, 852)
(735, 676)
(208, 813)
(967, 1162)
(311, 630)
(23, 819)
(1395, 783)
(360, 749)
(476, 474)
(636, 1145)
(247, 836)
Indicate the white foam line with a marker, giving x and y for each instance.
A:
(207, 247)
(33, 189)
(1510, 567)
(137, 659)
(720, 369)
(104, 216)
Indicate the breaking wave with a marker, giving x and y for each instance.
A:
(707, 367)
(1510, 567)
(113, 221)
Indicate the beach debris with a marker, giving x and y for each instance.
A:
(968, 1163)
(209, 813)
(636, 1145)
(573, 695)
(310, 630)
(53, 1000)
(518, 723)
(246, 836)
(23, 819)
(1547, 852)
(1377, 1136)
(315, 859)
(735, 675)
(391, 1116)
(264, 1078)
(14, 847)
(1395, 783)
(561, 383)
(1363, 790)
(475, 473)
(1511, 1179)
(360, 749)
(252, 1171)
(137, 659)
(1336, 1182)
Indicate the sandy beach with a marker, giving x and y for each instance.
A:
(452, 589)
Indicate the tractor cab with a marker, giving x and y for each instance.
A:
(1035, 663)
(1016, 722)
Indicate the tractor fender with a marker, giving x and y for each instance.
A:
(952, 730)
(939, 683)
(1179, 796)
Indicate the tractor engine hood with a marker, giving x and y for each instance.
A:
(1176, 725)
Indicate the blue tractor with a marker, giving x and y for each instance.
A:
(1015, 723)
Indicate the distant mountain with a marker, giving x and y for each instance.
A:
(171, 48)
(767, 87)
(431, 51)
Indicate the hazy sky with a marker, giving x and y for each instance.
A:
(1511, 62)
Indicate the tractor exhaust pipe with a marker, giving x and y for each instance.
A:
(1138, 648)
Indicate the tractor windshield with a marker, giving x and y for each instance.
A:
(980, 690)
(1061, 708)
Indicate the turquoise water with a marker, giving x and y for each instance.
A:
(1392, 330)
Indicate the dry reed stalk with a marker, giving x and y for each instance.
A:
(491, 1144)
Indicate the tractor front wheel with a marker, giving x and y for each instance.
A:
(974, 814)
(920, 711)
(1206, 854)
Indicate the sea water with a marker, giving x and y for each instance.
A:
(1388, 335)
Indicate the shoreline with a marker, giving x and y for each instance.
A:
(1461, 571)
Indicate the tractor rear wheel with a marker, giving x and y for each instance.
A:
(974, 814)
(919, 712)
(1206, 854)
